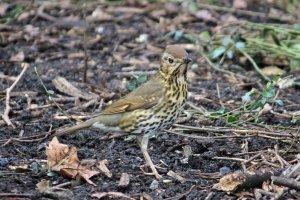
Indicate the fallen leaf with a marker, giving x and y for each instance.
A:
(42, 186)
(64, 86)
(272, 70)
(65, 161)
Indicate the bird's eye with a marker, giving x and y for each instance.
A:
(171, 60)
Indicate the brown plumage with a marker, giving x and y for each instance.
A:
(150, 108)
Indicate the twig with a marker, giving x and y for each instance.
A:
(206, 138)
(219, 95)
(210, 63)
(85, 46)
(254, 64)
(237, 131)
(288, 182)
(8, 90)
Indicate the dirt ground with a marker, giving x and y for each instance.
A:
(124, 40)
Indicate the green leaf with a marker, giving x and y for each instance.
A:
(226, 41)
(294, 64)
(217, 52)
(277, 101)
(142, 78)
(204, 36)
(229, 54)
(220, 111)
(131, 86)
(268, 93)
(178, 34)
(51, 174)
(239, 45)
(189, 37)
(232, 118)
(247, 97)
(297, 27)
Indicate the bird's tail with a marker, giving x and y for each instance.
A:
(77, 127)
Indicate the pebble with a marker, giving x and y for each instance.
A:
(3, 162)
(154, 185)
(224, 171)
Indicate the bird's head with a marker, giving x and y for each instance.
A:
(174, 61)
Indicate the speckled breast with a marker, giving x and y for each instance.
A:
(162, 115)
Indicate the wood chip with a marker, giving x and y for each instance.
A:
(176, 176)
(124, 180)
(103, 169)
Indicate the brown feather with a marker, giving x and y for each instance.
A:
(176, 51)
(145, 96)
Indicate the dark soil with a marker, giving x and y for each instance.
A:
(52, 50)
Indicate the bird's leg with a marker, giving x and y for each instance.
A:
(143, 143)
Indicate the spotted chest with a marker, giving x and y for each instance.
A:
(162, 115)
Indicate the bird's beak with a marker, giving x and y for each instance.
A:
(187, 60)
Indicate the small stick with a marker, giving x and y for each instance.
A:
(8, 91)
(85, 47)
(254, 65)
(288, 182)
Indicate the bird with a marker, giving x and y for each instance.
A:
(150, 108)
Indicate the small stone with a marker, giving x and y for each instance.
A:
(154, 185)
(3, 162)
(224, 171)
(35, 167)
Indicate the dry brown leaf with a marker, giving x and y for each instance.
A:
(118, 195)
(103, 168)
(42, 186)
(65, 161)
(272, 70)
(64, 86)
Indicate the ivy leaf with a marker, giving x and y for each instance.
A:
(142, 79)
(204, 36)
(277, 101)
(240, 45)
(178, 34)
(226, 41)
(217, 52)
(229, 54)
(131, 86)
(268, 93)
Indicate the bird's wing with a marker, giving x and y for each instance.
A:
(145, 96)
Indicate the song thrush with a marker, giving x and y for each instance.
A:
(150, 108)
